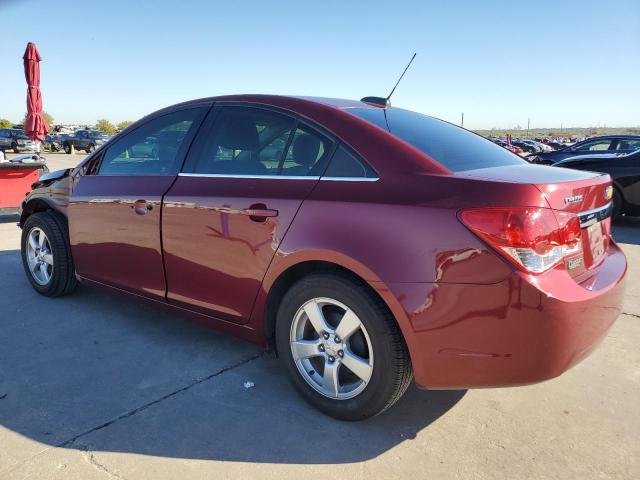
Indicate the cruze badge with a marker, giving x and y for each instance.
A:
(573, 199)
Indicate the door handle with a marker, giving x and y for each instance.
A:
(259, 212)
(141, 207)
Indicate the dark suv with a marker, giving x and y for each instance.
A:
(592, 146)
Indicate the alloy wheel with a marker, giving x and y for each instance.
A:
(39, 256)
(331, 348)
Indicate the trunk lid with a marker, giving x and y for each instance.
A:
(586, 194)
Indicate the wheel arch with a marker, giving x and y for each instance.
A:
(281, 277)
(38, 204)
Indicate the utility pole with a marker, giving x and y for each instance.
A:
(462, 121)
(528, 123)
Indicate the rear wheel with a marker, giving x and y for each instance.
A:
(67, 148)
(15, 147)
(46, 254)
(342, 348)
(91, 148)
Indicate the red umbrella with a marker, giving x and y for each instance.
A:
(35, 126)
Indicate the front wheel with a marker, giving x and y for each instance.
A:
(342, 348)
(15, 147)
(67, 148)
(92, 148)
(46, 254)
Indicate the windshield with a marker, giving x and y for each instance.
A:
(455, 148)
(19, 134)
(97, 133)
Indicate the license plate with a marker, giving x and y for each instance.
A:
(596, 241)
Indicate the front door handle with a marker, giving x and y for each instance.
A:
(141, 207)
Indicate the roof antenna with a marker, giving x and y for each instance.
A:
(385, 102)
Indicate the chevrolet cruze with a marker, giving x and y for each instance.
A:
(369, 245)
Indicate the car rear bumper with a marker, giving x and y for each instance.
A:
(522, 330)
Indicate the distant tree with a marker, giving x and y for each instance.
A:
(124, 124)
(4, 123)
(106, 126)
(47, 118)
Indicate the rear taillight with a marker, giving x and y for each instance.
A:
(534, 239)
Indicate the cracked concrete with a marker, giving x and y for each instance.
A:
(92, 388)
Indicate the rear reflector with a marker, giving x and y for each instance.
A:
(534, 239)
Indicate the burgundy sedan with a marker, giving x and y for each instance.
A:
(368, 244)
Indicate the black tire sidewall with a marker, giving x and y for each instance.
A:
(374, 397)
(617, 204)
(61, 258)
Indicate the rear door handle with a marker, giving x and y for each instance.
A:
(259, 212)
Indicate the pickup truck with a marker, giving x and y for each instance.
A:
(16, 140)
(86, 140)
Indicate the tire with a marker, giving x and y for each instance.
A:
(377, 343)
(58, 277)
(92, 148)
(616, 210)
(15, 148)
(67, 148)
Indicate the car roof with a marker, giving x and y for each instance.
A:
(338, 103)
(635, 137)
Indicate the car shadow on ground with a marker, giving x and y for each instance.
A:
(627, 230)
(93, 371)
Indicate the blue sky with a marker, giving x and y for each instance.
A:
(575, 63)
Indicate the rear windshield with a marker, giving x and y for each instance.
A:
(455, 148)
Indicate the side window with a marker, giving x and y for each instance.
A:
(255, 141)
(345, 164)
(153, 148)
(596, 145)
(628, 144)
(307, 155)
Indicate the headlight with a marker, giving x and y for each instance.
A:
(21, 142)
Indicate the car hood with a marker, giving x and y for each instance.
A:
(51, 177)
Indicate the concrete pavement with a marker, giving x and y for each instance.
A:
(96, 387)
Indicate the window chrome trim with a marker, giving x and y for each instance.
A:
(280, 177)
(266, 177)
(351, 179)
(590, 217)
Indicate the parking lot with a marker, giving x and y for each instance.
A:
(94, 387)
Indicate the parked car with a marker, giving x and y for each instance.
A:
(591, 146)
(367, 244)
(87, 140)
(624, 169)
(16, 140)
(508, 146)
(525, 146)
(53, 142)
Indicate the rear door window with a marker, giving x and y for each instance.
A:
(453, 147)
(628, 144)
(594, 146)
(248, 141)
